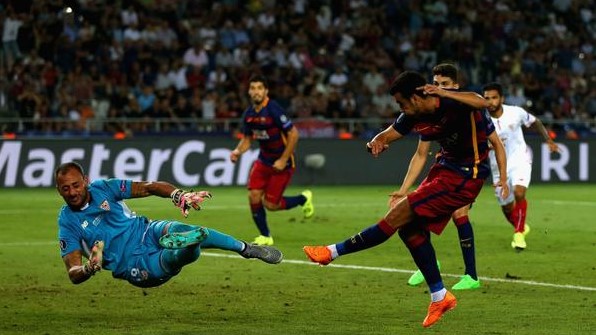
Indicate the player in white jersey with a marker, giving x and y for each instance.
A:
(508, 121)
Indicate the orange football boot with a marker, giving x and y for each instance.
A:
(318, 254)
(438, 308)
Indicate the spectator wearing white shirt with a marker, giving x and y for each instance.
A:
(129, 16)
(373, 79)
(196, 56)
(10, 32)
(338, 79)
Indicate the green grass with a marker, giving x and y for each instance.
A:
(555, 292)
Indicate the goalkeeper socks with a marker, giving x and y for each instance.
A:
(260, 218)
(291, 202)
(370, 237)
(466, 242)
(219, 240)
(520, 209)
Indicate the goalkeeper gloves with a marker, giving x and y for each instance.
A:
(185, 200)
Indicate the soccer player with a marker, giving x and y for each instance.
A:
(508, 121)
(96, 223)
(445, 75)
(463, 132)
(266, 122)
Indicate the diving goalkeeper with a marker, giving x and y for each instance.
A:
(96, 224)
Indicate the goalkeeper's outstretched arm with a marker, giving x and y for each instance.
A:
(185, 200)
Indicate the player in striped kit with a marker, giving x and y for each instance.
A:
(455, 180)
(266, 122)
(508, 121)
(445, 75)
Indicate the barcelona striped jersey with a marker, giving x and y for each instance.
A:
(269, 125)
(462, 132)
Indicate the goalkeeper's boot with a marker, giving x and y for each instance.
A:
(318, 254)
(466, 283)
(438, 308)
(308, 209)
(526, 230)
(263, 252)
(179, 240)
(418, 278)
(263, 240)
(519, 242)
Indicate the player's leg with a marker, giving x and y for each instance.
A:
(257, 183)
(506, 203)
(418, 243)
(274, 199)
(520, 208)
(374, 235)
(520, 179)
(417, 277)
(466, 242)
(177, 258)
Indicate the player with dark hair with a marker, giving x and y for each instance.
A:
(463, 132)
(266, 122)
(445, 75)
(508, 122)
(96, 223)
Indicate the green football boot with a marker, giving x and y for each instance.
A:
(308, 209)
(179, 240)
(466, 283)
(418, 278)
(263, 240)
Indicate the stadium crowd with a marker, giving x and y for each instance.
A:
(187, 61)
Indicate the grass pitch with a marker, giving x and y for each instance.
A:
(548, 289)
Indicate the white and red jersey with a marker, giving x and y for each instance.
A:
(509, 129)
(519, 156)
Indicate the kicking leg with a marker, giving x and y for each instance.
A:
(372, 236)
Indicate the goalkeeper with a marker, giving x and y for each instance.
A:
(96, 224)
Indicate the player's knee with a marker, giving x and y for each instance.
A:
(412, 237)
(270, 206)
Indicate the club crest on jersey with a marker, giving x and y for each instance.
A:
(105, 205)
(84, 224)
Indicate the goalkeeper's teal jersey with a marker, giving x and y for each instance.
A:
(105, 218)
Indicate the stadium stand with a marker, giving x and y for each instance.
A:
(105, 68)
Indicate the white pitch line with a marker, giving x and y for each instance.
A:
(382, 269)
(350, 267)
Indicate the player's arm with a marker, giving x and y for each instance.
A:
(141, 189)
(292, 140)
(242, 147)
(414, 169)
(381, 142)
(501, 158)
(472, 99)
(181, 198)
(77, 271)
(538, 126)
